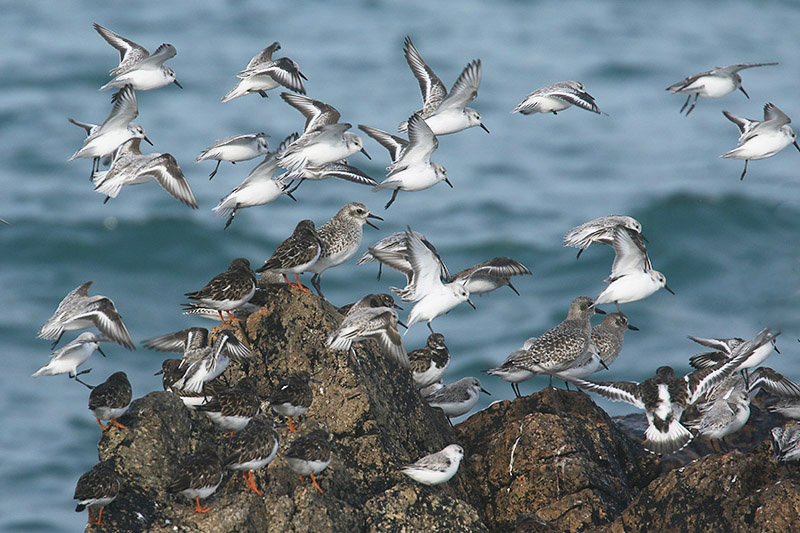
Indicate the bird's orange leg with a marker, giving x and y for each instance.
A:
(199, 508)
(232, 318)
(102, 425)
(300, 285)
(291, 427)
(221, 317)
(314, 481)
(114, 422)
(99, 518)
(251, 483)
(287, 280)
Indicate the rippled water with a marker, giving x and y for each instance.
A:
(728, 248)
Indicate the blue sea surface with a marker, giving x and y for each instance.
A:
(728, 248)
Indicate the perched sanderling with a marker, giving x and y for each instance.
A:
(95, 489)
(411, 168)
(392, 251)
(430, 389)
(233, 408)
(445, 112)
(340, 238)
(324, 139)
(309, 455)
(131, 167)
(724, 351)
(437, 467)
(201, 362)
(372, 317)
(457, 398)
(600, 230)
(428, 364)
(104, 139)
(296, 254)
(263, 73)
(632, 276)
(78, 310)
(490, 275)
(111, 399)
(252, 448)
(510, 371)
(172, 370)
(228, 290)
(292, 397)
(66, 360)
(235, 148)
(713, 83)
(557, 97)
(137, 67)
(760, 140)
(786, 442)
(664, 397)
(198, 476)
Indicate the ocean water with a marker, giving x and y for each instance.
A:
(729, 248)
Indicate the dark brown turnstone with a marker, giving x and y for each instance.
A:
(95, 489)
(309, 455)
(233, 408)
(296, 254)
(198, 476)
(429, 364)
(252, 448)
(229, 290)
(78, 310)
(111, 399)
(292, 397)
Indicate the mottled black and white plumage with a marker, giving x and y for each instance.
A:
(429, 363)
(111, 399)
(296, 254)
(172, 370)
(78, 310)
(437, 467)
(235, 148)
(490, 275)
(786, 442)
(293, 396)
(233, 408)
(457, 398)
(557, 97)
(599, 231)
(263, 73)
(309, 455)
(664, 397)
(252, 448)
(229, 290)
(95, 489)
(392, 251)
(198, 476)
(723, 350)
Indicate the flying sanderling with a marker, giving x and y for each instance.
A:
(394, 248)
(66, 360)
(263, 73)
(724, 350)
(437, 467)
(557, 97)
(293, 396)
(111, 399)
(490, 275)
(235, 148)
(599, 231)
(228, 290)
(95, 489)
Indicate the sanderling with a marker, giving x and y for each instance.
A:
(490, 275)
(786, 442)
(712, 84)
(111, 399)
(131, 167)
(263, 73)
(600, 230)
(445, 112)
(340, 238)
(296, 254)
(198, 476)
(457, 398)
(95, 489)
(292, 397)
(336, 169)
(252, 448)
(557, 97)
(724, 351)
(761, 139)
(428, 364)
(309, 455)
(66, 360)
(510, 372)
(137, 67)
(437, 467)
(233, 408)
(104, 139)
(235, 148)
(78, 310)
(324, 139)
(172, 370)
(632, 276)
(411, 168)
(664, 397)
(228, 290)
(393, 252)
(430, 389)
(201, 362)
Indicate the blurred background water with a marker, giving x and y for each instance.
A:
(728, 247)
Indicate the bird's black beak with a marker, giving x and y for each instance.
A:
(178, 84)
(402, 324)
(796, 145)
(634, 328)
(397, 306)
(486, 391)
(668, 289)
(363, 151)
(745, 92)
(471, 304)
(148, 141)
(375, 217)
(448, 182)
(101, 351)
(599, 311)
(485, 128)
(159, 372)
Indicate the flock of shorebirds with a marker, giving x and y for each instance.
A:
(572, 350)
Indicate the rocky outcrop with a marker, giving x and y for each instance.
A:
(553, 461)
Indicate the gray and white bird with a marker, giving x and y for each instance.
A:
(599, 231)
(557, 97)
(234, 149)
(263, 74)
(457, 398)
(67, 359)
(437, 467)
(712, 84)
(786, 442)
(510, 370)
(490, 275)
(724, 350)
(395, 247)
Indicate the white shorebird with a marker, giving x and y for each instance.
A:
(235, 148)
(599, 231)
(137, 66)
(78, 310)
(411, 168)
(131, 167)
(632, 276)
(66, 360)
(761, 139)
(490, 275)
(557, 97)
(724, 351)
(396, 245)
(263, 73)
(713, 83)
(510, 371)
(445, 112)
(104, 139)
(437, 467)
(433, 297)
(457, 398)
